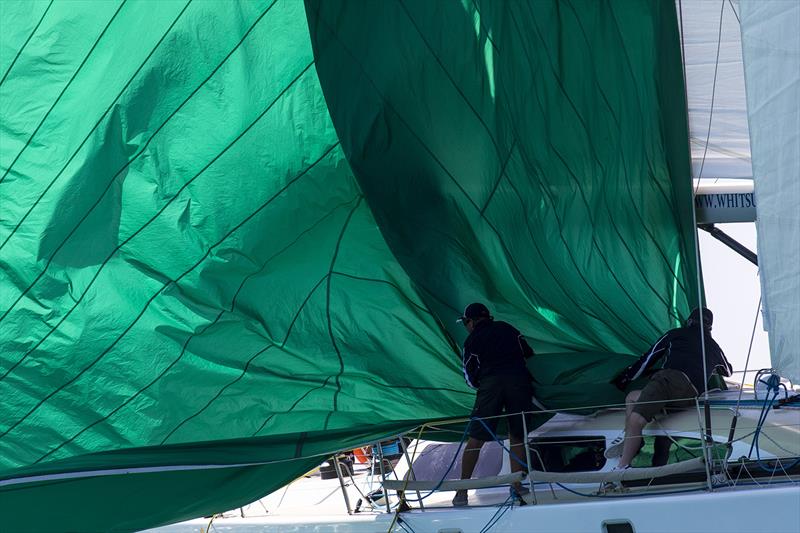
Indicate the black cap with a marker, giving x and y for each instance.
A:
(475, 310)
(694, 318)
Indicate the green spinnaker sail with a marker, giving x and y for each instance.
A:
(234, 237)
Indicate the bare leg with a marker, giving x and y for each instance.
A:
(470, 457)
(630, 400)
(468, 462)
(633, 438)
(518, 451)
(615, 450)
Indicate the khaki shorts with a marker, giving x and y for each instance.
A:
(664, 386)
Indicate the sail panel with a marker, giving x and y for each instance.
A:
(187, 259)
(772, 72)
(715, 92)
(530, 154)
(222, 243)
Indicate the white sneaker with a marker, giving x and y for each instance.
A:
(614, 449)
(609, 486)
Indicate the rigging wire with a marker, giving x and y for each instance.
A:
(777, 444)
(696, 236)
(509, 502)
(768, 403)
(738, 21)
(444, 476)
(501, 510)
(747, 361)
(735, 14)
(402, 522)
(360, 492)
(694, 211)
(513, 456)
(707, 421)
(713, 95)
(408, 477)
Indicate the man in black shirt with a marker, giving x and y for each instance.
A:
(494, 363)
(680, 380)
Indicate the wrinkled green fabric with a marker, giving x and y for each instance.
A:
(681, 449)
(241, 233)
(136, 500)
(530, 162)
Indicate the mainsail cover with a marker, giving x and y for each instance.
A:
(234, 237)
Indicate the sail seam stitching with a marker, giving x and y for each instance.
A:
(450, 78)
(673, 200)
(127, 164)
(393, 285)
(202, 330)
(208, 252)
(577, 181)
(295, 404)
(553, 203)
(64, 90)
(328, 307)
(499, 177)
(636, 209)
(469, 104)
(25, 44)
(154, 217)
(91, 131)
(546, 264)
(440, 164)
(582, 192)
(281, 346)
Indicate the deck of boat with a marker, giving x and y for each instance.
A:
(747, 499)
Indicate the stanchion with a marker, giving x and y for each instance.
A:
(411, 470)
(528, 457)
(383, 479)
(338, 469)
(706, 450)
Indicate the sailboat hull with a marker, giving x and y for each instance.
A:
(728, 511)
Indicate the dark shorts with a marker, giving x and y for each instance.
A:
(499, 394)
(664, 387)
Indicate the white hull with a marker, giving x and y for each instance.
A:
(745, 502)
(729, 510)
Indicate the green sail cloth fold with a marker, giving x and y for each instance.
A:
(130, 489)
(528, 154)
(191, 273)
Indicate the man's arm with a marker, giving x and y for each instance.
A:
(471, 366)
(644, 363)
(722, 365)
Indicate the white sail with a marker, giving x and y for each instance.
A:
(712, 50)
(771, 49)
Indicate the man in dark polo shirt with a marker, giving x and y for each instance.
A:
(494, 363)
(676, 384)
